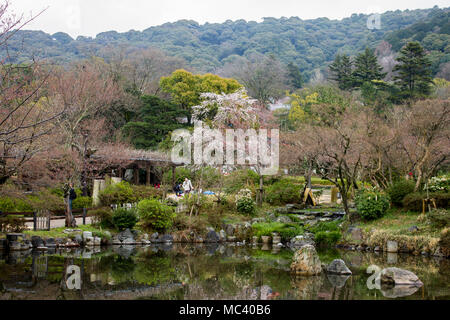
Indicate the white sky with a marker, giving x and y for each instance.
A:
(90, 17)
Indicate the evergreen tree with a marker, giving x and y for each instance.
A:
(367, 68)
(341, 70)
(414, 71)
(155, 119)
(295, 79)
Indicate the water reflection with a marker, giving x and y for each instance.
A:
(205, 271)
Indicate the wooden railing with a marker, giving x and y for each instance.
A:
(53, 215)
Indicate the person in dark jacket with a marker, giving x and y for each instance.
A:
(72, 195)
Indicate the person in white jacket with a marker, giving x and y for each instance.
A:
(187, 186)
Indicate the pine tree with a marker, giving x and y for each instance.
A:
(295, 78)
(367, 68)
(341, 70)
(414, 71)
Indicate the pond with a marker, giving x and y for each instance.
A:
(196, 272)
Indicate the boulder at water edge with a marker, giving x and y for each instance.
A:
(306, 262)
(338, 266)
(396, 276)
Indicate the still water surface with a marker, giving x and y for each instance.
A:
(216, 271)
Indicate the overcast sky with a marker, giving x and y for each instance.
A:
(90, 17)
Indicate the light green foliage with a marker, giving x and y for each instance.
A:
(123, 192)
(154, 215)
(327, 237)
(286, 230)
(284, 191)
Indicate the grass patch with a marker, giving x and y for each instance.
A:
(58, 232)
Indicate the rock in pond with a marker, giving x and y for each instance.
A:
(212, 236)
(391, 246)
(338, 266)
(306, 262)
(37, 242)
(399, 277)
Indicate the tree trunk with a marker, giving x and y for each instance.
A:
(70, 220)
(259, 199)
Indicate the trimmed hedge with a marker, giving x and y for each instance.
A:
(414, 201)
(283, 191)
(372, 204)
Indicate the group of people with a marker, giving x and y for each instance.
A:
(185, 187)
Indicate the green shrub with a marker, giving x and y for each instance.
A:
(439, 218)
(124, 218)
(118, 193)
(246, 206)
(284, 191)
(371, 204)
(103, 217)
(155, 215)
(327, 237)
(326, 226)
(414, 201)
(8, 204)
(240, 179)
(286, 231)
(146, 192)
(399, 190)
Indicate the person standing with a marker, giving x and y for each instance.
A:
(187, 186)
(69, 196)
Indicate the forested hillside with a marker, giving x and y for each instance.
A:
(309, 44)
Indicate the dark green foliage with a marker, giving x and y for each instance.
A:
(342, 73)
(327, 237)
(367, 68)
(246, 206)
(414, 72)
(309, 44)
(154, 215)
(414, 201)
(433, 33)
(103, 217)
(295, 79)
(284, 191)
(372, 204)
(155, 119)
(124, 218)
(399, 190)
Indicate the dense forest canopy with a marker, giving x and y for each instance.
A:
(308, 44)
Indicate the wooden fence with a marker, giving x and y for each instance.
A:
(41, 219)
